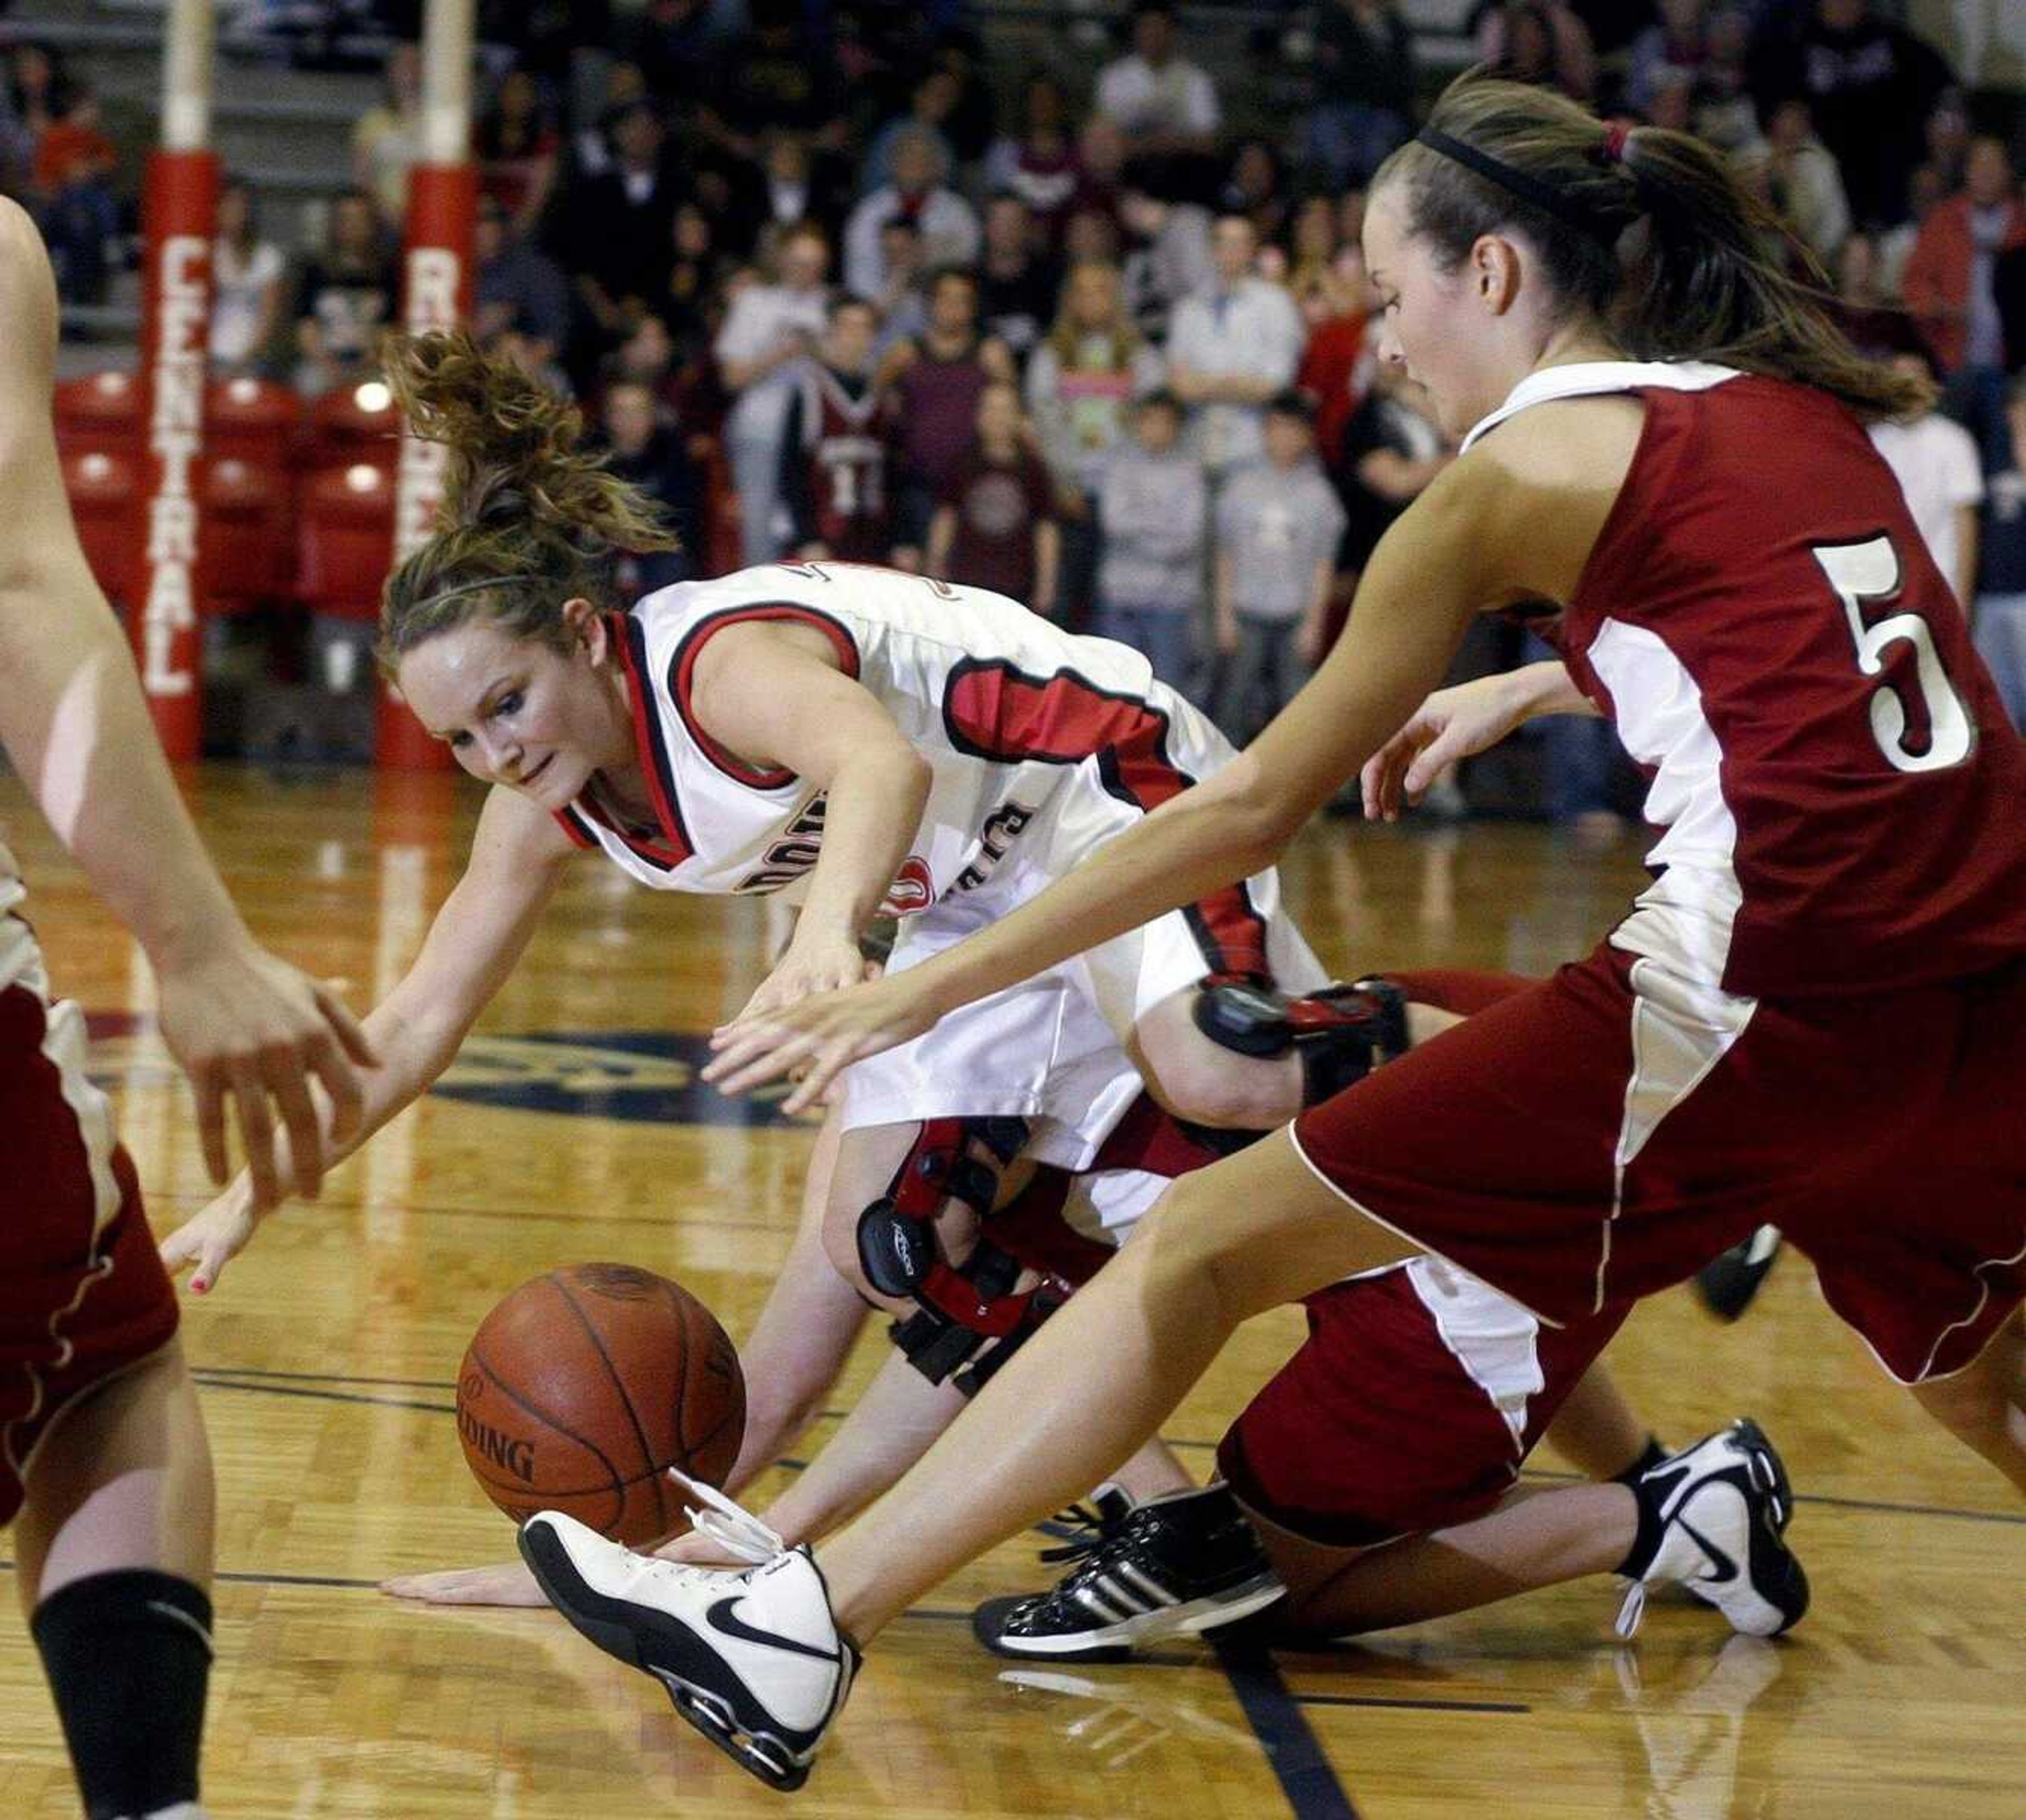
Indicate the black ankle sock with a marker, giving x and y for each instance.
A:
(1650, 1456)
(128, 1658)
(1646, 1538)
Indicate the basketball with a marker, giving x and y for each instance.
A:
(582, 1388)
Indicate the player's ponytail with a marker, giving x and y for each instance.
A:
(1646, 228)
(529, 520)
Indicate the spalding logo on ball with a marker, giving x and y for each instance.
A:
(583, 1386)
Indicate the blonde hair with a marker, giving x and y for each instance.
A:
(1067, 337)
(528, 520)
(1646, 228)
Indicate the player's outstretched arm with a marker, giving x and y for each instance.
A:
(517, 857)
(251, 1032)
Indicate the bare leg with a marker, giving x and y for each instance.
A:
(1538, 1536)
(1154, 1472)
(1226, 1243)
(125, 1480)
(1203, 1082)
(1984, 1405)
(1595, 1430)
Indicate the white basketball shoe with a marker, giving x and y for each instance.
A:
(754, 1660)
(1713, 1519)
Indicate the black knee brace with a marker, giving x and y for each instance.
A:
(1341, 1033)
(959, 1308)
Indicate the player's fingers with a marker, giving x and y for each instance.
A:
(256, 1131)
(1431, 762)
(291, 1089)
(815, 1082)
(346, 1091)
(180, 1248)
(210, 1122)
(738, 1070)
(738, 1045)
(216, 1253)
(351, 1032)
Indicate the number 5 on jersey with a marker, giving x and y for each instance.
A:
(1865, 574)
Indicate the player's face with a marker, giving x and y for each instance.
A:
(1432, 324)
(519, 713)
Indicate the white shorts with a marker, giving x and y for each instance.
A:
(1052, 1049)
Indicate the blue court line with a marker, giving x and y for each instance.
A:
(1307, 1779)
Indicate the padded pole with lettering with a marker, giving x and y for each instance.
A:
(179, 220)
(436, 294)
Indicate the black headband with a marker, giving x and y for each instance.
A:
(1523, 184)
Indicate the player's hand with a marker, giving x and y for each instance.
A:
(252, 1033)
(210, 1240)
(1452, 723)
(510, 1583)
(819, 1038)
(810, 964)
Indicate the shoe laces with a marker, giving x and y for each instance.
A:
(1632, 1610)
(1089, 1526)
(733, 1528)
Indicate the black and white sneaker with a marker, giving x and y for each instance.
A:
(1713, 1519)
(1084, 1528)
(754, 1660)
(1175, 1566)
(1730, 1279)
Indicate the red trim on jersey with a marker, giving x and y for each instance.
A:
(630, 642)
(574, 825)
(992, 711)
(685, 662)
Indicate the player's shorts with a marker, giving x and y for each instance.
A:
(1606, 1133)
(83, 1295)
(1051, 1049)
(1417, 1395)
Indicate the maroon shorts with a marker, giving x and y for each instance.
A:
(1606, 1132)
(1409, 1408)
(82, 1292)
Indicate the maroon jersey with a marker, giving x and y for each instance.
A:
(839, 494)
(1839, 788)
(998, 505)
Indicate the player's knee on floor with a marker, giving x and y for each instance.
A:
(1338, 1035)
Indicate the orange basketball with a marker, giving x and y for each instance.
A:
(583, 1386)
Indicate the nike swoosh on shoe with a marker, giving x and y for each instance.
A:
(724, 1618)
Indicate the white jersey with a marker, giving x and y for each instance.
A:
(1009, 710)
(1041, 747)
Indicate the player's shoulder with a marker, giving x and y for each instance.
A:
(1559, 444)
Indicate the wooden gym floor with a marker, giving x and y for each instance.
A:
(572, 1130)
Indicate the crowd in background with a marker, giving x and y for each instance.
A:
(1071, 338)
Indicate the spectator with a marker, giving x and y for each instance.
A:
(516, 144)
(1872, 85)
(1670, 48)
(690, 294)
(1541, 42)
(1948, 139)
(246, 281)
(1232, 348)
(1803, 183)
(1153, 511)
(995, 526)
(79, 216)
(936, 381)
(1392, 450)
(1162, 103)
(2000, 603)
(1017, 282)
(772, 75)
(516, 287)
(1335, 304)
(592, 153)
(1080, 381)
(1039, 164)
(1869, 319)
(903, 313)
(649, 357)
(1278, 522)
(1364, 81)
(929, 106)
(948, 229)
(533, 358)
(1935, 462)
(1312, 244)
(804, 185)
(35, 88)
(17, 145)
(1725, 106)
(619, 229)
(834, 454)
(1255, 185)
(768, 329)
(1949, 280)
(1166, 257)
(671, 42)
(346, 298)
(646, 449)
(387, 138)
(1101, 152)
